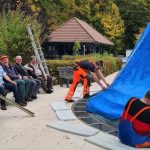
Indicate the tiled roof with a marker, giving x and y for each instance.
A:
(76, 29)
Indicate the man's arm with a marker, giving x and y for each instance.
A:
(102, 77)
(97, 80)
(6, 77)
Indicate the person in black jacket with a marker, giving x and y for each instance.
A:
(36, 84)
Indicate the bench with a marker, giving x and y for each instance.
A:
(65, 75)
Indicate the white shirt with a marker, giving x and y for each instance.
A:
(36, 69)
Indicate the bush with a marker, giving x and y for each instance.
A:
(111, 64)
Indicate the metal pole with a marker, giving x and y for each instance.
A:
(16, 105)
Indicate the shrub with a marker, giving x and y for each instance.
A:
(111, 64)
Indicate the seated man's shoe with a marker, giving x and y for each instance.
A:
(24, 102)
(69, 101)
(49, 91)
(3, 105)
(21, 103)
(28, 100)
(34, 97)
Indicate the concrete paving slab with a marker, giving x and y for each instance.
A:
(59, 106)
(65, 115)
(108, 141)
(72, 128)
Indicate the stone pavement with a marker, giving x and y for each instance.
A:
(19, 131)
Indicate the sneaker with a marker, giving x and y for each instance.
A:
(34, 97)
(49, 91)
(21, 103)
(3, 105)
(69, 101)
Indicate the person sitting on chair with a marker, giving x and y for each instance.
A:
(35, 84)
(134, 126)
(35, 70)
(11, 86)
(81, 71)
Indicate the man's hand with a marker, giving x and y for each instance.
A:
(30, 69)
(25, 77)
(107, 84)
(20, 77)
(45, 78)
(103, 87)
(30, 77)
(14, 83)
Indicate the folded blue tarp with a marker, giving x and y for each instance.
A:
(132, 81)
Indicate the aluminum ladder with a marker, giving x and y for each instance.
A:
(38, 50)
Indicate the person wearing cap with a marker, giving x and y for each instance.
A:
(134, 126)
(81, 71)
(22, 84)
(35, 83)
(35, 70)
(9, 85)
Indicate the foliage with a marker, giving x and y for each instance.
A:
(121, 21)
(13, 34)
(56, 12)
(113, 25)
(136, 15)
(76, 47)
(111, 64)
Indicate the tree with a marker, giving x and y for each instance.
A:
(13, 35)
(113, 25)
(76, 47)
(136, 15)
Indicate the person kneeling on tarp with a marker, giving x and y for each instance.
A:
(81, 71)
(134, 127)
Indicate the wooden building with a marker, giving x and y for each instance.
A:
(62, 39)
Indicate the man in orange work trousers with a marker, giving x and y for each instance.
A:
(81, 71)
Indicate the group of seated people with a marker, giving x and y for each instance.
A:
(23, 81)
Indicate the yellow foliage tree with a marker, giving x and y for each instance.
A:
(113, 25)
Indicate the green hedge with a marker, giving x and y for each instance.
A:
(111, 64)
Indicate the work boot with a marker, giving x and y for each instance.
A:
(86, 96)
(69, 101)
(3, 105)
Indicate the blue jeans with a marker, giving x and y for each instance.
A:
(2, 92)
(37, 86)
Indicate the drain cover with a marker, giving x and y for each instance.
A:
(96, 121)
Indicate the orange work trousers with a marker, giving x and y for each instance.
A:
(79, 74)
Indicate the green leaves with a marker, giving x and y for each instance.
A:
(76, 47)
(136, 15)
(13, 35)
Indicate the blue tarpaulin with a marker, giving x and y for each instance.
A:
(132, 81)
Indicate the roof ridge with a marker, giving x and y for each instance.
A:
(78, 20)
(63, 23)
